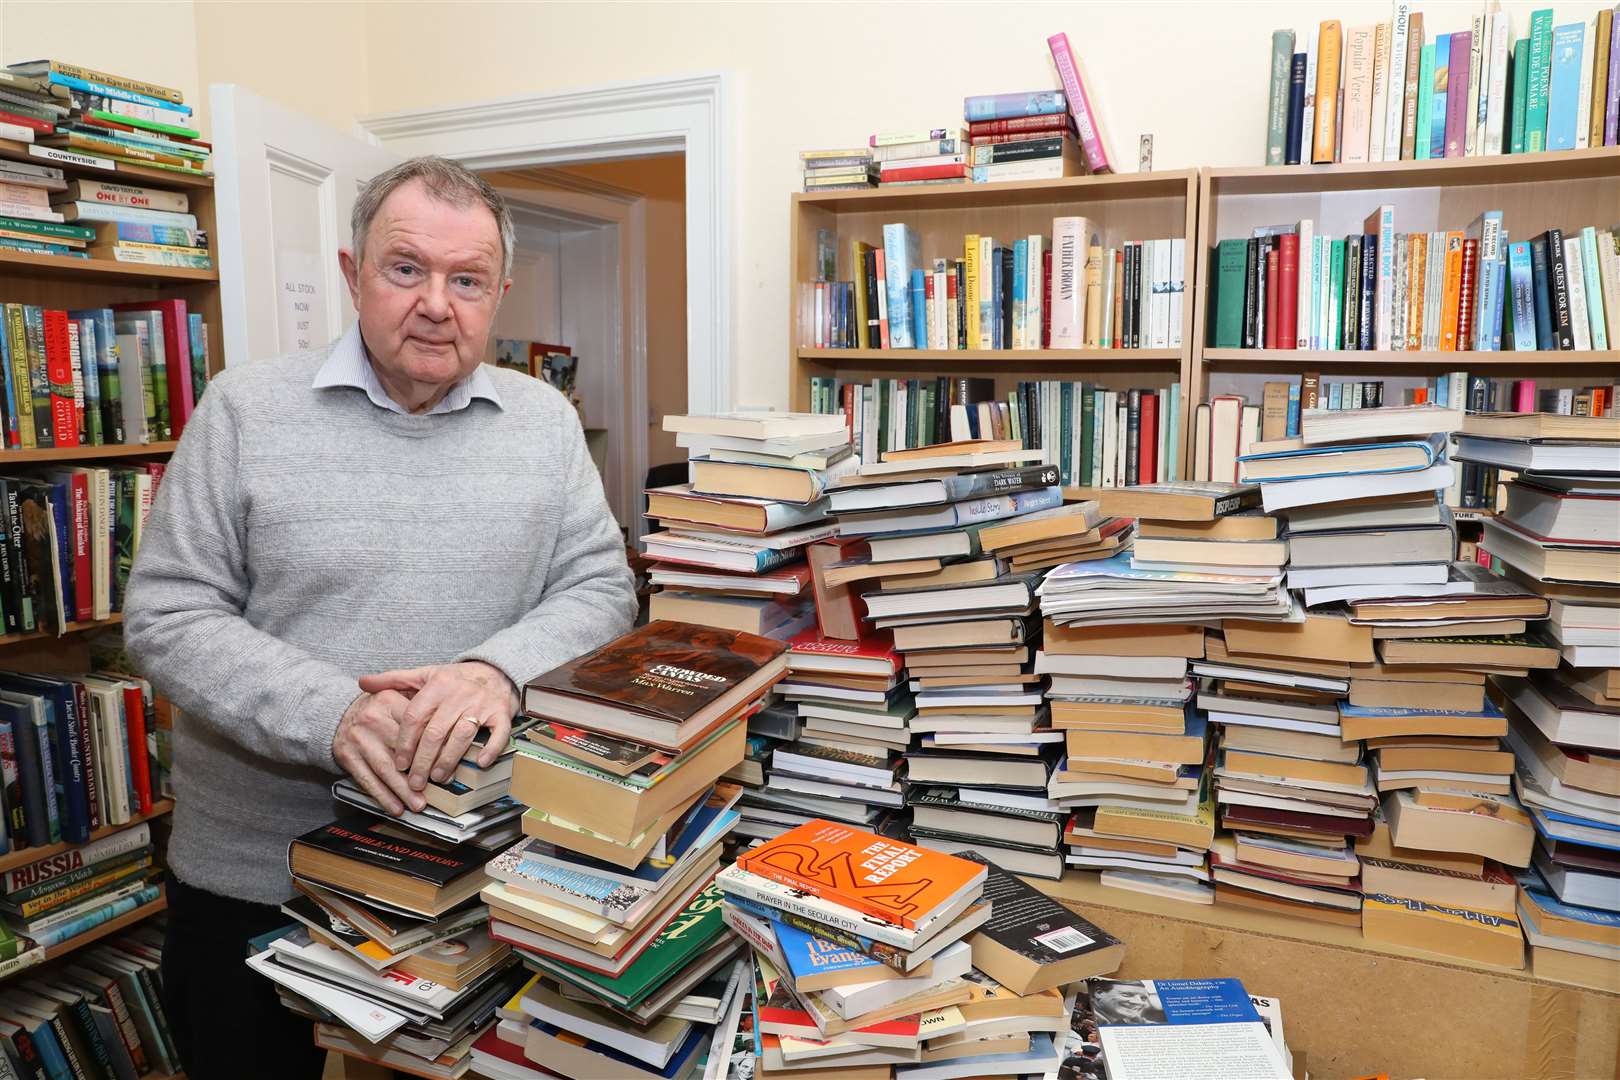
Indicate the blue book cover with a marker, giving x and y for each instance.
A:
(1007, 106)
(996, 287)
(1594, 289)
(1020, 286)
(1564, 86)
(1499, 297)
(62, 718)
(12, 415)
(1296, 110)
(1524, 301)
(919, 309)
(1293, 410)
(85, 86)
(901, 254)
(1437, 97)
(808, 955)
(94, 917)
(1541, 281)
(1336, 396)
(50, 1052)
(1433, 449)
(1489, 712)
(1217, 1011)
(1557, 826)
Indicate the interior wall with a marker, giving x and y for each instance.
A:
(1193, 73)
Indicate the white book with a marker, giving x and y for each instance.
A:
(987, 322)
(1307, 124)
(1111, 280)
(1178, 289)
(1583, 104)
(1496, 107)
(1397, 318)
(1200, 444)
(1433, 279)
(1395, 69)
(1110, 432)
(132, 368)
(1476, 51)
(1099, 405)
(1310, 264)
(1380, 92)
(1162, 459)
(1324, 290)
(1121, 428)
(1068, 283)
(1579, 317)
(1034, 302)
(1144, 285)
(1161, 294)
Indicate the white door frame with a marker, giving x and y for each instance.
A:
(693, 114)
(590, 203)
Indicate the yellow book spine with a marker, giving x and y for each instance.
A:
(1327, 92)
(18, 332)
(1451, 297)
(970, 281)
(857, 266)
(1600, 78)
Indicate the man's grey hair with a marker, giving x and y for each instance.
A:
(445, 180)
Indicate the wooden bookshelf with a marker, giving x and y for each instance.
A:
(115, 619)
(111, 926)
(1565, 189)
(85, 453)
(1130, 206)
(13, 859)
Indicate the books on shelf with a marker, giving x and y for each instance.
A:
(1414, 89)
(1072, 287)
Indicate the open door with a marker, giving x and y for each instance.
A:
(284, 187)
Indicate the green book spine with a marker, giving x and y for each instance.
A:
(1088, 422)
(884, 388)
(1066, 433)
(1521, 93)
(149, 125)
(1425, 102)
(52, 229)
(1282, 58)
(1014, 417)
(686, 936)
(1336, 292)
(913, 399)
(1230, 257)
(1535, 98)
(22, 374)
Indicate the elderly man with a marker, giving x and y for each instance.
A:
(357, 557)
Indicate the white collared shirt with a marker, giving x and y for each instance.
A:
(349, 365)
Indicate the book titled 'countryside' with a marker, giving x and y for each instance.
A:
(662, 683)
(886, 879)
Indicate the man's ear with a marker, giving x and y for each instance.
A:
(351, 274)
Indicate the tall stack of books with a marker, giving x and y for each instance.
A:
(1560, 537)
(389, 950)
(1411, 92)
(82, 116)
(872, 955)
(1462, 290)
(609, 899)
(960, 613)
(729, 551)
(927, 156)
(838, 170)
(1021, 136)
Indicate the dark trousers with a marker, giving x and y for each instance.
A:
(226, 1018)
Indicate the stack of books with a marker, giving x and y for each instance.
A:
(103, 1006)
(1208, 1027)
(872, 955)
(1410, 92)
(775, 725)
(924, 157)
(389, 952)
(83, 116)
(132, 224)
(1466, 290)
(609, 899)
(1021, 136)
(729, 550)
(839, 169)
(959, 613)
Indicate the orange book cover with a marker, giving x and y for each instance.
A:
(1416, 271)
(1451, 297)
(1327, 92)
(886, 879)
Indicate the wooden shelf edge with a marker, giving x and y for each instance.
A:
(25, 856)
(1082, 890)
(18, 151)
(114, 619)
(85, 453)
(1117, 185)
(1004, 357)
(1460, 360)
(101, 269)
(1593, 162)
(111, 926)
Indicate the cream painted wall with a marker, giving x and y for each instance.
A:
(1190, 72)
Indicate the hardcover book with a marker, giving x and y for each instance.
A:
(663, 682)
(389, 862)
(901, 884)
(1033, 943)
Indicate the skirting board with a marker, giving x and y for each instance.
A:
(1356, 1008)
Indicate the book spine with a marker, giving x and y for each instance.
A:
(1468, 284)
(1296, 108)
(1535, 114)
(1395, 82)
(1410, 95)
(1366, 297)
(1611, 108)
(1452, 297)
(1456, 124)
(1091, 141)
(1380, 92)
(1580, 324)
(1494, 93)
(1277, 108)
(1591, 265)
(1472, 120)
(1327, 92)
(1595, 76)
(983, 107)
(897, 254)
(1558, 282)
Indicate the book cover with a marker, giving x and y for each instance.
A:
(1085, 120)
(1461, 47)
(1031, 942)
(1563, 86)
(1296, 109)
(1277, 108)
(983, 107)
(901, 255)
(1558, 291)
(670, 671)
(1203, 1025)
(1537, 81)
(1324, 141)
(1410, 96)
(1356, 127)
(883, 878)
(382, 845)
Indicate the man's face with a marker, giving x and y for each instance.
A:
(1126, 1002)
(426, 291)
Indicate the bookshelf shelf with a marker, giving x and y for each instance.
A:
(1296, 359)
(965, 196)
(115, 619)
(84, 453)
(14, 859)
(111, 926)
(93, 269)
(1595, 163)
(1010, 358)
(18, 151)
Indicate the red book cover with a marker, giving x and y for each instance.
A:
(1468, 296)
(44, 127)
(849, 410)
(1524, 395)
(1042, 122)
(1147, 452)
(876, 648)
(59, 372)
(1119, 298)
(140, 768)
(176, 355)
(925, 172)
(1270, 341)
(1288, 291)
(83, 583)
(1046, 291)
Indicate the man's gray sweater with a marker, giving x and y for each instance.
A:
(302, 538)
